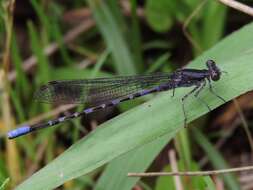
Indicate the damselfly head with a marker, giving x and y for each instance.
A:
(213, 70)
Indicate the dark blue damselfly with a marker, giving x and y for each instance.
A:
(105, 92)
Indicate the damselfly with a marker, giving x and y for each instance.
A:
(105, 92)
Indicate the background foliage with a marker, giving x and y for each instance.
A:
(54, 40)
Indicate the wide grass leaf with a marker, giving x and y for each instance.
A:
(152, 120)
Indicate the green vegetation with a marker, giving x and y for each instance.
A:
(47, 40)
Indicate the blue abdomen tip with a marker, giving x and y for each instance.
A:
(18, 132)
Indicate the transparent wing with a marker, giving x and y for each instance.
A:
(96, 91)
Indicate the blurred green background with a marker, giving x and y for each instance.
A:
(54, 40)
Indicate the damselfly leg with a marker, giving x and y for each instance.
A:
(196, 95)
(184, 98)
(213, 92)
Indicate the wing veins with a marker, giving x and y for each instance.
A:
(95, 91)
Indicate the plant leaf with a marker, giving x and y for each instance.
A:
(153, 119)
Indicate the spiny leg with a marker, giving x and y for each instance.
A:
(173, 92)
(200, 99)
(213, 92)
(184, 98)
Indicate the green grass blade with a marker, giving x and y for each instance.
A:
(134, 161)
(216, 159)
(21, 79)
(152, 120)
(102, 59)
(3, 169)
(209, 183)
(159, 63)
(43, 18)
(183, 148)
(58, 37)
(135, 37)
(43, 66)
(18, 106)
(118, 17)
(211, 35)
(123, 61)
(6, 181)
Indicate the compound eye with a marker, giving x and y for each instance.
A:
(215, 76)
(210, 62)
